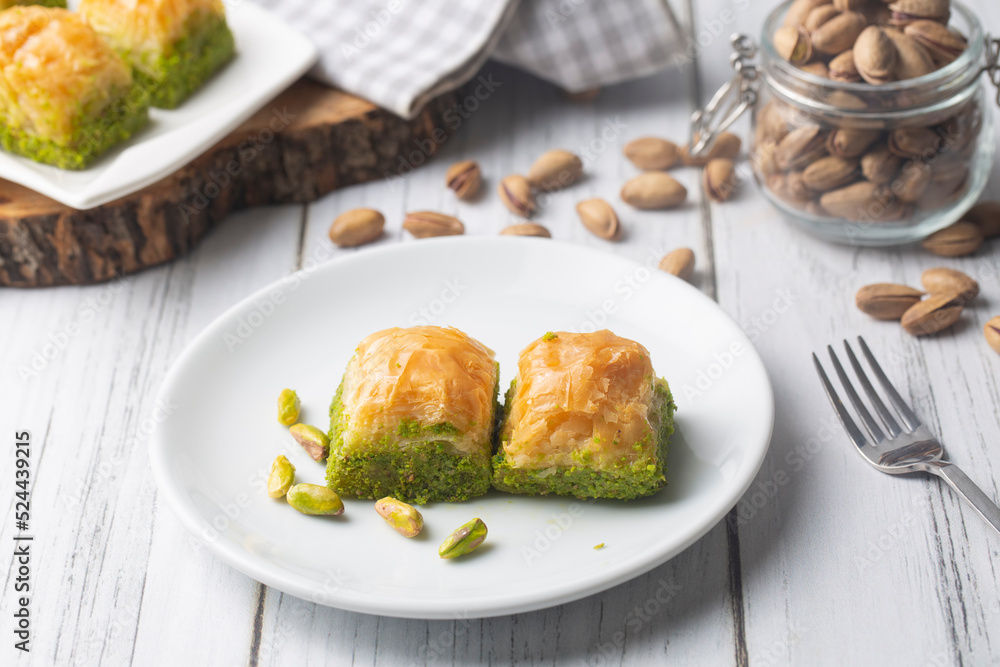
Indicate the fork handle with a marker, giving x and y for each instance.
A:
(966, 488)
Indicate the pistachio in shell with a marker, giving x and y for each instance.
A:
(912, 59)
(986, 215)
(526, 229)
(830, 173)
(649, 153)
(852, 202)
(653, 190)
(886, 301)
(875, 56)
(932, 315)
(799, 11)
(720, 179)
(356, 227)
(821, 15)
(427, 224)
(943, 44)
(816, 69)
(942, 280)
(842, 68)
(905, 12)
(727, 145)
(555, 169)
(957, 240)
(793, 44)
(516, 194)
(464, 178)
(801, 146)
(912, 181)
(838, 34)
(600, 218)
(947, 183)
(848, 142)
(880, 165)
(679, 262)
(914, 142)
(992, 332)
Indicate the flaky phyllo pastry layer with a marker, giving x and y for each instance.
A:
(413, 416)
(584, 416)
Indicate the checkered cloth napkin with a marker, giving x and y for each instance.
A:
(402, 53)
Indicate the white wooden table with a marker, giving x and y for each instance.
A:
(825, 561)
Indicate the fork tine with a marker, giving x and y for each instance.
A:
(890, 422)
(866, 417)
(845, 418)
(909, 417)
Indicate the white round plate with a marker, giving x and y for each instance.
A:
(211, 456)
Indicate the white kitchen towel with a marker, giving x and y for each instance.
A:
(402, 53)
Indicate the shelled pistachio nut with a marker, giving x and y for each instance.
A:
(942, 280)
(404, 519)
(654, 190)
(356, 227)
(516, 194)
(652, 153)
(992, 332)
(727, 145)
(464, 540)
(932, 315)
(830, 173)
(281, 478)
(886, 301)
(875, 56)
(288, 407)
(943, 45)
(838, 34)
(314, 441)
(555, 169)
(600, 218)
(526, 229)
(426, 224)
(315, 499)
(720, 179)
(464, 178)
(679, 262)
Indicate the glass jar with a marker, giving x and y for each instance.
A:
(864, 164)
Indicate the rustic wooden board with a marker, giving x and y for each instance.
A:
(308, 141)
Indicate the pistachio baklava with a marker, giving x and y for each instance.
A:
(65, 96)
(173, 45)
(414, 416)
(585, 416)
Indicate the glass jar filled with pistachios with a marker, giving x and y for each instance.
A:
(870, 122)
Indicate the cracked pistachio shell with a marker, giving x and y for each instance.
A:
(288, 407)
(679, 262)
(314, 441)
(942, 280)
(652, 153)
(600, 218)
(839, 33)
(932, 315)
(465, 539)
(875, 56)
(992, 332)
(516, 194)
(987, 216)
(427, 224)
(555, 169)
(653, 190)
(315, 499)
(281, 478)
(886, 301)
(957, 240)
(356, 227)
(404, 519)
(464, 178)
(793, 44)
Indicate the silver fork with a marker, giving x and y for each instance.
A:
(897, 450)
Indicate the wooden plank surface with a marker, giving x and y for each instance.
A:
(825, 561)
